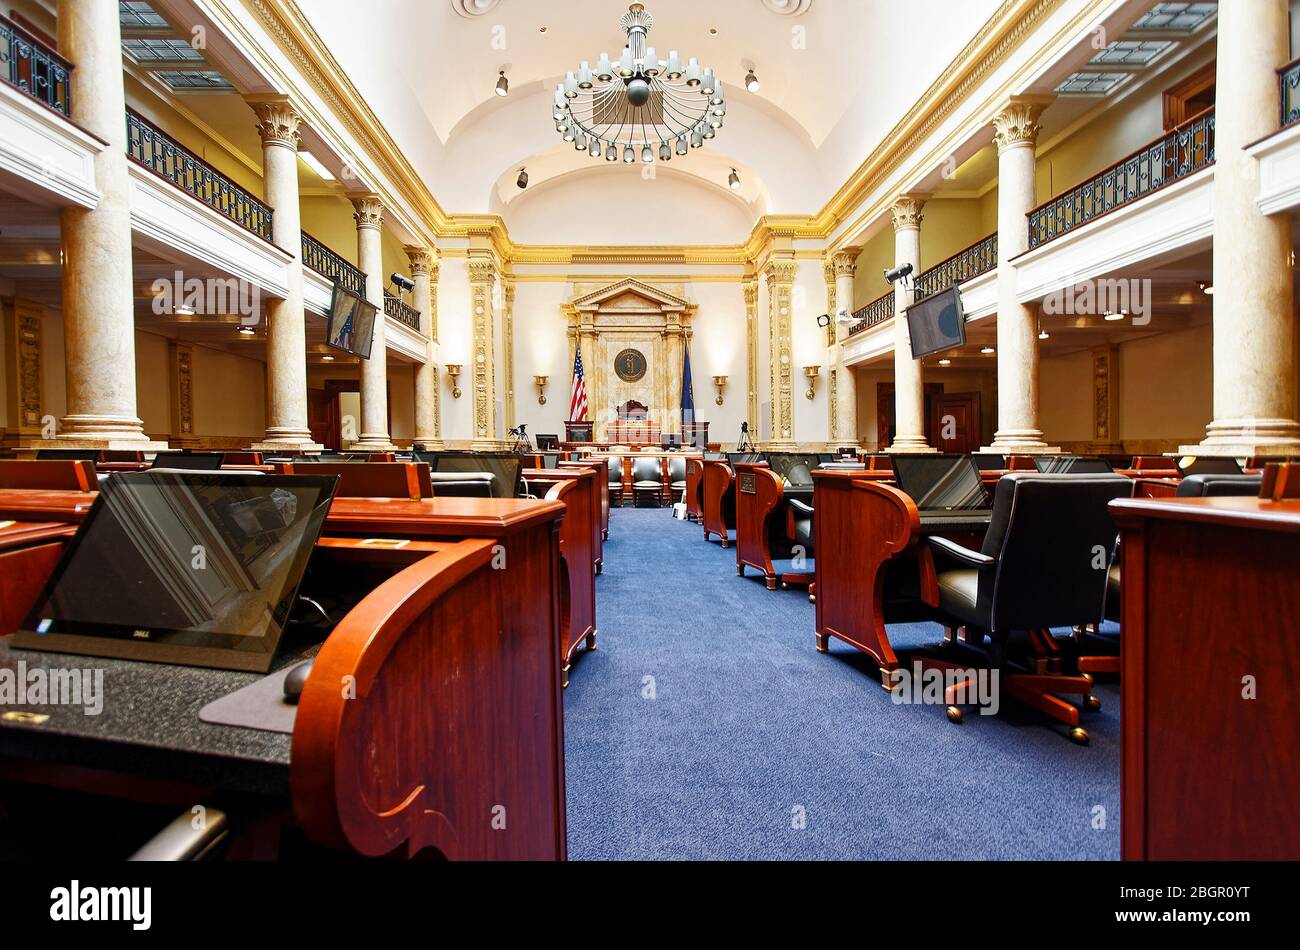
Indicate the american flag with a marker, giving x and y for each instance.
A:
(578, 400)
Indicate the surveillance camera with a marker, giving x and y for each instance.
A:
(402, 283)
(898, 273)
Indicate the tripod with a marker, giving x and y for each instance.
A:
(523, 443)
(746, 444)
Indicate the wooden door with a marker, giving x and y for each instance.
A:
(323, 417)
(953, 424)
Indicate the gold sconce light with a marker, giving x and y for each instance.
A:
(541, 382)
(453, 373)
(812, 372)
(721, 383)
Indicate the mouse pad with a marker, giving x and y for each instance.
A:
(258, 706)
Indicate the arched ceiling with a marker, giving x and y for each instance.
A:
(835, 76)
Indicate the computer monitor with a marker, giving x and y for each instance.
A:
(937, 324)
(194, 568)
(351, 323)
(68, 455)
(989, 462)
(1071, 465)
(941, 482)
(1200, 465)
(547, 443)
(195, 461)
(505, 468)
(745, 458)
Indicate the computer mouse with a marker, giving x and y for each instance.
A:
(295, 681)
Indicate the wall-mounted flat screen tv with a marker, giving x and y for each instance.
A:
(351, 323)
(937, 323)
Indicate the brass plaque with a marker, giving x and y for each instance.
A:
(630, 365)
(748, 485)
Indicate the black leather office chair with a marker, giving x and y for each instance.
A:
(677, 477)
(615, 480)
(647, 479)
(1038, 568)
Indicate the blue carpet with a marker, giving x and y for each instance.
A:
(706, 725)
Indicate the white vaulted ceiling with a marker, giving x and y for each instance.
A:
(835, 76)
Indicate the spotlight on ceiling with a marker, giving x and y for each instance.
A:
(733, 181)
(247, 331)
(503, 84)
(1207, 288)
(751, 81)
(523, 179)
(988, 351)
(1044, 335)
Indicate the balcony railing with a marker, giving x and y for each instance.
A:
(325, 262)
(402, 312)
(31, 66)
(1289, 80)
(168, 159)
(874, 313)
(980, 258)
(1186, 149)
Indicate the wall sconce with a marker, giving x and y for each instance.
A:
(541, 389)
(721, 383)
(453, 373)
(812, 373)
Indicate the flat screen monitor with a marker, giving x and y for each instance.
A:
(937, 323)
(1071, 465)
(68, 455)
(941, 482)
(351, 323)
(193, 568)
(989, 462)
(548, 442)
(1198, 465)
(745, 458)
(195, 461)
(505, 468)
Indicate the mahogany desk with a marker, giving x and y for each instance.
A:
(694, 482)
(579, 535)
(761, 513)
(455, 706)
(601, 473)
(717, 499)
(1211, 596)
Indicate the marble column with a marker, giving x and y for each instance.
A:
(482, 280)
(97, 276)
(1254, 315)
(424, 271)
(1016, 131)
(781, 273)
(374, 371)
(844, 390)
(287, 428)
(750, 290)
(909, 388)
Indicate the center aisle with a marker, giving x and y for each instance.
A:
(707, 726)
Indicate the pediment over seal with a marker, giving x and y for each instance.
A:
(631, 295)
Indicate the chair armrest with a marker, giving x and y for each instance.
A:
(186, 839)
(801, 507)
(961, 553)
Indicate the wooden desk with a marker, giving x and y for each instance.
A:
(718, 499)
(454, 706)
(1211, 595)
(760, 516)
(29, 551)
(48, 474)
(694, 483)
(579, 535)
(602, 480)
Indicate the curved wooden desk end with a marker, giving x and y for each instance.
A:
(466, 720)
(861, 526)
(758, 494)
(717, 500)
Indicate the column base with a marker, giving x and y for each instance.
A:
(1242, 438)
(1020, 442)
(372, 443)
(430, 445)
(490, 445)
(779, 445)
(289, 446)
(836, 446)
(911, 445)
(103, 442)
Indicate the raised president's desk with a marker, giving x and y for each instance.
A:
(1210, 661)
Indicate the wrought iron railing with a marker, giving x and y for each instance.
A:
(1186, 149)
(980, 258)
(1289, 81)
(168, 159)
(402, 312)
(874, 313)
(37, 70)
(330, 265)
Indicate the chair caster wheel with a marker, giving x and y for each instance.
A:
(1078, 736)
(954, 715)
(1091, 703)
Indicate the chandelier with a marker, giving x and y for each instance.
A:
(640, 105)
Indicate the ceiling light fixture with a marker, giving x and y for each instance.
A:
(733, 181)
(523, 179)
(1207, 288)
(988, 351)
(503, 85)
(246, 331)
(945, 362)
(751, 81)
(640, 103)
